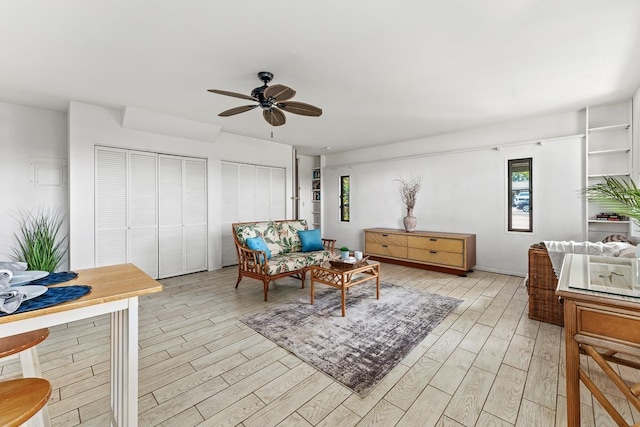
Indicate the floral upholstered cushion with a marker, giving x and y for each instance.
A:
(268, 230)
(293, 262)
(288, 231)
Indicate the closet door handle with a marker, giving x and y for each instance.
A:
(433, 240)
(385, 246)
(385, 235)
(433, 252)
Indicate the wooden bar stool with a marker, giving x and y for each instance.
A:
(24, 345)
(21, 399)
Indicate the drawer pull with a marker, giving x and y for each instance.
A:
(433, 240)
(433, 252)
(385, 235)
(385, 246)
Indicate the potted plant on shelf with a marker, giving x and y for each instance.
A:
(616, 194)
(408, 192)
(40, 243)
(344, 252)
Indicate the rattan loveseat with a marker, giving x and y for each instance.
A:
(283, 241)
(542, 282)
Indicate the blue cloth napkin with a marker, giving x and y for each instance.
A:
(54, 278)
(53, 296)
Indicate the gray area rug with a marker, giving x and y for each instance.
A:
(360, 349)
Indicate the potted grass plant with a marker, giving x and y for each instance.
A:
(616, 194)
(40, 242)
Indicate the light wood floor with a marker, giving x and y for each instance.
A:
(487, 364)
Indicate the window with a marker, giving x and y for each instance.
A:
(520, 195)
(345, 186)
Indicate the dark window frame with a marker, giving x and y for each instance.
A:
(518, 164)
(345, 196)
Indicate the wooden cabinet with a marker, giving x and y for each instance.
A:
(447, 252)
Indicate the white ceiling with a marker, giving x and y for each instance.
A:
(382, 71)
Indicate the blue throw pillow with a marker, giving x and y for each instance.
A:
(310, 240)
(258, 244)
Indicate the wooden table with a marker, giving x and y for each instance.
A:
(115, 290)
(600, 325)
(342, 279)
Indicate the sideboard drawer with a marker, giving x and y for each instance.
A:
(436, 257)
(436, 244)
(386, 250)
(386, 239)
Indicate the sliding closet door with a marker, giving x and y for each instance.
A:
(171, 236)
(249, 193)
(126, 209)
(195, 215)
(142, 212)
(110, 207)
(182, 215)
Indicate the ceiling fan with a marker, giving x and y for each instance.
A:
(272, 99)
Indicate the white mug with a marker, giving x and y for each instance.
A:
(358, 255)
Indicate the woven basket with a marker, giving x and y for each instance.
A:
(541, 285)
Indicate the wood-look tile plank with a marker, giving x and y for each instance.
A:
(383, 414)
(532, 414)
(405, 391)
(466, 404)
(426, 410)
(491, 355)
(542, 383)
(286, 404)
(323, 404)
(453, 371)
(342, 417)
(506, 393)
(232, 394)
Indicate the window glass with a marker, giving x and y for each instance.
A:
(345, 187)
(520, 195)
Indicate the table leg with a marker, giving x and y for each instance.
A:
(124, 365)
(573, 364)
(311, 286)
(377, 271)
(31, 368)
(344, 310)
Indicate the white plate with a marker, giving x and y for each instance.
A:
(31, 291)
(27, 276)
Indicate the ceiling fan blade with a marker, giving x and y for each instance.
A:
(237, 110)
(279, 92)
(274, 117)
(234, 94)
(300, 108)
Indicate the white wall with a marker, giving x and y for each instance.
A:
(91, 125)
(29, 136)
(465, 190)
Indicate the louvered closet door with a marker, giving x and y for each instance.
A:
(182, 215)
(110, 207)
(195, 215)
(249, 193)
(278, 191)
(142, 217)
(229, 212)
(170, 216)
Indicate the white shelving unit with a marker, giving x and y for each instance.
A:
(316, 197)
(609, 152)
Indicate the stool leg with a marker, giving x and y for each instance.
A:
(31, 368)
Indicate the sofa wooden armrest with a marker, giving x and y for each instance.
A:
(287, 258)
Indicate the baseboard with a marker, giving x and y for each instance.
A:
(497, 270)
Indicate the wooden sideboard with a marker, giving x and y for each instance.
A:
(447, 252)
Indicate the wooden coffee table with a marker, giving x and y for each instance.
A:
(345, 278)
